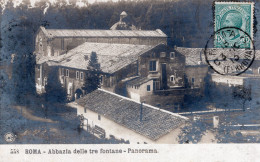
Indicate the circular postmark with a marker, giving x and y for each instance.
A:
(9, 137)
(234, 54)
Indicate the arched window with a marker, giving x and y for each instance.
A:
(172, 55)
(172, 78)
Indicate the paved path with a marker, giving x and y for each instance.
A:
(28, 115)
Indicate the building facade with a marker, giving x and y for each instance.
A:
(54, 45)
(161, 79)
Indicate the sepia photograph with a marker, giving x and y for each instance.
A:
(128, 74)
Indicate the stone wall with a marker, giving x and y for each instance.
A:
(227, 80)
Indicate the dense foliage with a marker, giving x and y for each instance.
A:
(92, 75)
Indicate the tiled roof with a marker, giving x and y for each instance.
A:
(257, 54)
(126, 112)
(193, 56)
(111, 57)
(138, 81)
(52, 33)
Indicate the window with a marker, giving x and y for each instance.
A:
(69, 90)
(81, 75)
(40, 44)
(259, 70)
(148, 88)
(62, 43)
(99, 117)
(172, 78)
(62, 71)
(85, 110)
(45, 81)
(172, 54)
(77, 74)
(67, 72)
(152, 66)
(156, 85)
(192, 80)
(101, 80)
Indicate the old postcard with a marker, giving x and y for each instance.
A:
(104, 80)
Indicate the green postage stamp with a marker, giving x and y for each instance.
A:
(234, 24)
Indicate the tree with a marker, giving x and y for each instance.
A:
(193, 131)
(92, 74)
(54, 90)
(242, 93)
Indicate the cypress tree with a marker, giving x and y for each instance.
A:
(91, 82)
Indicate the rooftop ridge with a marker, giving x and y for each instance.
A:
(143, 49)
(156, 30)
(188, 47)
(55, 33)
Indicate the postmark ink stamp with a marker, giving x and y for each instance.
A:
(232, 60)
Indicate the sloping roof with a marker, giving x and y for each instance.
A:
(123, 13)
(52, 33)
(126, 112)
(138, 81)
(111, 57)
(193, 56)
(257, 54)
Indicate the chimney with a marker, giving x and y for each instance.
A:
(141, 112)
(215, 121)
(86, 57)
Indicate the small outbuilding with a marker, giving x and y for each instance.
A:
(108, 114)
